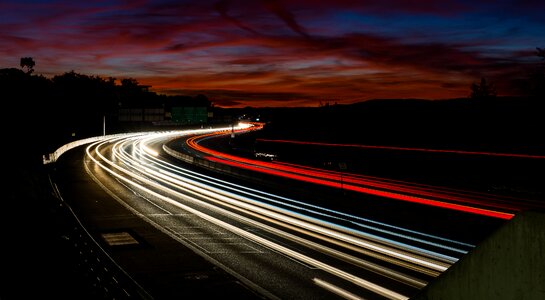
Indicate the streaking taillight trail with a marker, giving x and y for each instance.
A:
(351, 182)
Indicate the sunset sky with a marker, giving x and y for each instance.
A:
(281, 53)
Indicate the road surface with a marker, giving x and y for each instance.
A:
(272, 243)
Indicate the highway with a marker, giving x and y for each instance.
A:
(465, 201)
(278, 243)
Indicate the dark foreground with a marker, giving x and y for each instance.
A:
(36, 260)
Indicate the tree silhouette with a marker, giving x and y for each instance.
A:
(28, 63)
(537, 85)
(129, 83)
(483, 91)
(540, 53)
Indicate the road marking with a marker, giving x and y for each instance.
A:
(214, 242)
(119, 238)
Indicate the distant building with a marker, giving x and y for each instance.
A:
(185, 110)
(144, 88)
(189, 115)
(141, 114)
(166, 110)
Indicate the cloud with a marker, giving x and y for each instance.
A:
(276, 50)
(279, 10)
(241, 98)
(222, 7)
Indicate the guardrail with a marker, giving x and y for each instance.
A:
(104, 276)
(106, 279)
(52, 157)
(215, 166)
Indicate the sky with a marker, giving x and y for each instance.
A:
(281, 53)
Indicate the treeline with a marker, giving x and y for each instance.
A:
(43, 113)
(507, 124)
(483, 121)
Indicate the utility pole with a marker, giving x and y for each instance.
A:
(342, 167)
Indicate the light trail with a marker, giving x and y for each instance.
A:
(313, 209)
(386, 194)
(219, 196)
(462, 152)
(342, 274)
(351, 182)
(336, 290)
(137, 162)
(300, 221)
(504, 202)
(323, 212)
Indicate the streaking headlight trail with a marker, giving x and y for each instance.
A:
(275, 222)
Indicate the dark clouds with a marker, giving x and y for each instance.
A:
(269, 51)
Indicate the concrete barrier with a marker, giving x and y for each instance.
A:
(214, 166)
(510, 264)
(52, 157)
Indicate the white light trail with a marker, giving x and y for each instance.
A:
(143, 169)
(336, 290)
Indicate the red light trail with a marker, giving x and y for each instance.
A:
(407, 149)
(354, 182)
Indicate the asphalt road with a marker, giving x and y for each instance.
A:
(165, 268)
(175, 250)
(231, 240)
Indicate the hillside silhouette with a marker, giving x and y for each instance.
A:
(45, 113)
(508, 124)
(41, 114)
